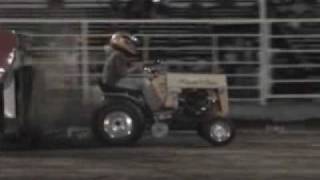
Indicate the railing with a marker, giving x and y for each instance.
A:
(251, 80)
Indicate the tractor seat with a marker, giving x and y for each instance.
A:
(111, 89)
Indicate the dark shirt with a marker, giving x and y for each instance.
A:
(115, 68)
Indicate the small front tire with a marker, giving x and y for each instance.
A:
(218, 132)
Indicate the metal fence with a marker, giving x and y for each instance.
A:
(263, 63)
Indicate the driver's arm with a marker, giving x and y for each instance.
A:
(136, 67)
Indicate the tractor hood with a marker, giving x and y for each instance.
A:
(8, 44)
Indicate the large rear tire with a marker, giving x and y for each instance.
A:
(119, 123)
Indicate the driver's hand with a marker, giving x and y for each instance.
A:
(155, 74)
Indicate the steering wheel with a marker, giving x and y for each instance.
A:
(153, 68)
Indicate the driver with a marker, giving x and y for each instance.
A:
(119, 67)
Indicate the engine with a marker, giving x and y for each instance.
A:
(195, 102)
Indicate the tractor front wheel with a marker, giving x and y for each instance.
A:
(218, 132)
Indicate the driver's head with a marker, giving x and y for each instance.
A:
(124, 42)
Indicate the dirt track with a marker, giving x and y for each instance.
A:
(184, 156)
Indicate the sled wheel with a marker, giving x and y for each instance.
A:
(118, 123)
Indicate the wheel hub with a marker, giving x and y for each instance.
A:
(220, 132)
(118, 125)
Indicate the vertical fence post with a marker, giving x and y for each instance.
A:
(145, 47)
(85, 83)
(264, 75)
(214, 52)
